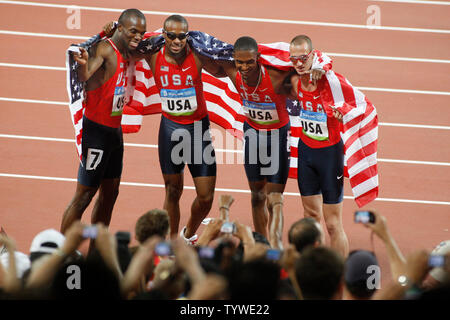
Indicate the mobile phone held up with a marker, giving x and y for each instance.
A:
(90, 232)
(436, 261)
(228, 227)
(273, 254)
(163, 249)
(364, 217)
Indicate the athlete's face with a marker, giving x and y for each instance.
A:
(175, 35)
(301, 57)
(246, 63)
(132, 31)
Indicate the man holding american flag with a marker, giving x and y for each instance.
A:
(101, 71)
(327, 108)
(184, 133)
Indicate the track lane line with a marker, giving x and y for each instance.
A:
(235, 18)
(153, 185)
(345, 55)
(66, 104)
(155, 146)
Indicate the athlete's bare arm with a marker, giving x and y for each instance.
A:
(210, 66)
(91, 62)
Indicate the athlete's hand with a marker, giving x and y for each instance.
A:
(337, 114)
(316, 75)
(109, 29)
(82, 57)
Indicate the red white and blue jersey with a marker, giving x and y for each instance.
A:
(104, 105)
(319, 127)
(263, 108)
(180, 88)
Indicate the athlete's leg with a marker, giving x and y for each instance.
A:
(312, 207)
(107, 196)
(333, 221)
(82, 198)
(259, 211)
(332, 185)
(275, 208)
(174, 188)
(202, 204)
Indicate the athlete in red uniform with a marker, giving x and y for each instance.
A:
(263, 95)
(184, 136)
(103, 70)
(320, 149)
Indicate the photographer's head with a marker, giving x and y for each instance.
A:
(360, 274)
(153, 222)
(440, 274)
(319, 273)
(304, 233)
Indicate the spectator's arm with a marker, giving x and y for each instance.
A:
(106, 245)
(139, 266)
(187, 259)
(288, 259)
(415, 270)
(244, 233)
(225, 202)
(10, 282)
(275, 200)
(211, 288)
(396, 259)
(44, 273)
(211, 232)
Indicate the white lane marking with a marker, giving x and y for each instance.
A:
(406, 125)
(31, 66)
(155, 146)
(443, 3)
(235, 18)
(153, 185)
(344, 55)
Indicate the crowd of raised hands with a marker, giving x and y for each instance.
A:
(229, 261)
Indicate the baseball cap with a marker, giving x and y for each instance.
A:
(47, 241)
(356, 266)
(439, 273)
(22, 262)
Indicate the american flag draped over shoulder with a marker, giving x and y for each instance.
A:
(225, 108)
(75, 88)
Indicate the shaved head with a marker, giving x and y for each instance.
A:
(129, 13)
(176, 18)
(299, 40)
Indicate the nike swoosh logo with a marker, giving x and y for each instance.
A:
(316, 97)
(263, 90)
(185, 69)
(338, 177)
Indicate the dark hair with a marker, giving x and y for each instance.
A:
(130, 13)
(319, 272)
(301, 39)
(97, 281)
(153, 222)
(256, 280)
(176, 18)
(245, 44)
(304, 233)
